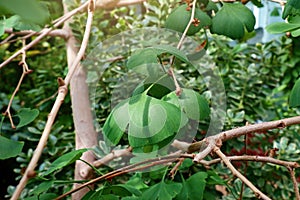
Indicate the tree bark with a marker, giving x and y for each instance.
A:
(85, 134)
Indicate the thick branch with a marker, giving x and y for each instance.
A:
(237, 132)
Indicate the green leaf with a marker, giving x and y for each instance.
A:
(295, 95)
(64, 160)
(116, 123)
(142, 57)
(47, 196)
(26, 116)
(180, 17)
(194, 187)
(232, 20)
(292, 7)
(9, 148)
(29, 10)
(281, 27)
(43, 187)
(192, 103)
(150, 55)
(99, 196)
(162, 190)
(152, 120)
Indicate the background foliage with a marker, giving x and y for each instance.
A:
(258, 80)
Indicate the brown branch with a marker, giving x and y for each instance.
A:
(236, 173)
(295, 183)
(44, 32)
(108, 4)
(26, 71)
(130, 168)
(265, 159)
(53, 33)
(237, 132)
(111, 156)
(58, 102)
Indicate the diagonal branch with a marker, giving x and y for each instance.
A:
(63, 89)
(236, 173)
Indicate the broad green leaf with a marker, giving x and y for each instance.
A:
(192, 103)
(99, 196)
(26, 116)
(142, 57)
(295, 95)
(137, 181)
(171, 50)
(64, 160)
(150, 55)
(161, 191)
(116, 123)
(121, 190)
(152, 120)
(281, 27)
(232, 20)
(30, 10)
(296, 33)
(9, 148)
(8, 23)
(43, 187)
(47, 196)
(292, 7)
(180, 17)
(194, 187)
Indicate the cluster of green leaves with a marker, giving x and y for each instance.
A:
(291, 14)
(239, 19)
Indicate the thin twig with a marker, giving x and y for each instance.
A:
(58, 102)
(295, 183)
(175, 168)
(264, 159)
(44, 32)
(111, 156)
(130, 168)
(236, 173)
(25, 72)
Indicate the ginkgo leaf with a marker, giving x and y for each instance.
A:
(162, 190)
(26, 116)
(149, 121)
(191, 102)
(232, 20)
(292, 7)
(64, 160)
(295, 95)
(150, 55)
(9, 148)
